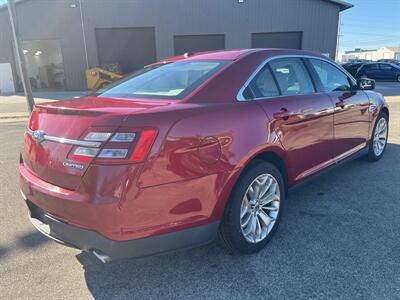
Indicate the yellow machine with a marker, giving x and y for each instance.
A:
(99, 77)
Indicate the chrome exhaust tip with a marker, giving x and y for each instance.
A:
(100, 255)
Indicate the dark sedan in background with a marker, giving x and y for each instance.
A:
(379, 71)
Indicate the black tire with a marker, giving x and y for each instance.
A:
(371, 156)
(230, 232)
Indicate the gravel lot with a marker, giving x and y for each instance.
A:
(339, 238)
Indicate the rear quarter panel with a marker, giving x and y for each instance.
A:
(203, 155)
(210, 139)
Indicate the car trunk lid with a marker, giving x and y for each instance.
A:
(55, 129)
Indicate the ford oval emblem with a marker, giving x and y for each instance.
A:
(38, 136)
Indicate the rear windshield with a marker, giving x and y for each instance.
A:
(163, 81)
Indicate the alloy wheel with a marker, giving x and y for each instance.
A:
(380, 136)
(260, 208)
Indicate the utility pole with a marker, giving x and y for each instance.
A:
(338, 36)
(83, 34)
(20, 56)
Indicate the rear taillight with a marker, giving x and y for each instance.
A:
(143, 145)
(123, 146)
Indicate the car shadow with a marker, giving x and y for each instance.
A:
(32, 240)
(3, 252)
(338, 232)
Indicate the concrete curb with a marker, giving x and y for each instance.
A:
(14, 120)
(14, 115)
(392, 99)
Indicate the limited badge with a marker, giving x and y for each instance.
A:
(73, 165)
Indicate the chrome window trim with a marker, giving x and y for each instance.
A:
(240, 97)
(66, 141)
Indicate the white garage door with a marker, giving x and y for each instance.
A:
(6, 79)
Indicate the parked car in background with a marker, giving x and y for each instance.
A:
(359, 60)
(194, 147)
(379, 71)
(391, 61)
(352, 68)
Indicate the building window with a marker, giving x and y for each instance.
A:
(289, 40)
(198, 43)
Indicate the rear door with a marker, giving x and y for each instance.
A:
(387, 72)
(302, 119)
(351, 119)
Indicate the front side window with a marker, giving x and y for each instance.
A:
(165, 81)
(263, 85)
(371, 67)
(332, 79)
(292, 76)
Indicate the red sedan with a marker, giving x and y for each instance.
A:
(194, 147)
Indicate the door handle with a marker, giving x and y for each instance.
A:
(282, 114)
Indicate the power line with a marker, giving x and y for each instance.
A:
(370, 34)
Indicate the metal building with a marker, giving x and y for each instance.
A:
(62, 38)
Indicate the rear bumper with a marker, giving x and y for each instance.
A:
(124, 212)
(106, 249)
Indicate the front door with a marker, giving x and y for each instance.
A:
(352, 122)
(301, 118)
(352, 118)
(372, 71)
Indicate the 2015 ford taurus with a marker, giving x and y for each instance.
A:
(194, 147)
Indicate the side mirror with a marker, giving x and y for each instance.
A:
(366, 84)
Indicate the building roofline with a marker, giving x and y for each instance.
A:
(343, 5)
(360, 51)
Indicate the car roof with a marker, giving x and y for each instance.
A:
(235, 54)
(356, 63)
(381, 63)
(378, 63)
(211, 55)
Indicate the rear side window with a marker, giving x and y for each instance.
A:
(167, 81)
(385, 67)
(292, 76)
(332, 79)
(355, 66)
(263, 85)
